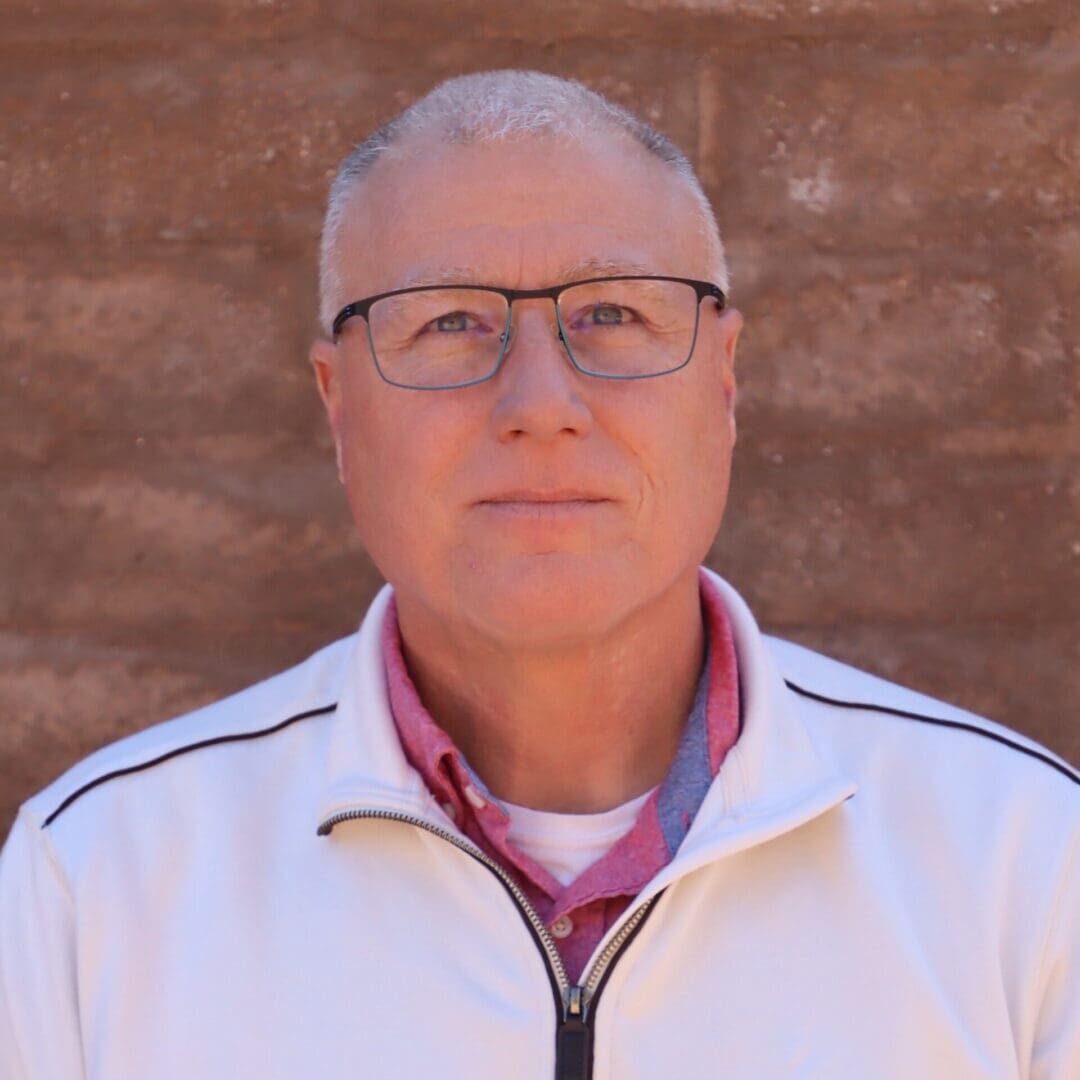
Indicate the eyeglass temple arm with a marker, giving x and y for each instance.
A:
(344, 315)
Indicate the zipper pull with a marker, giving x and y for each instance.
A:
(573, 1041)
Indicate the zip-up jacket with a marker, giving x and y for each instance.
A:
(877, 885)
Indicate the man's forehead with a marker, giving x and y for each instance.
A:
(523, 213)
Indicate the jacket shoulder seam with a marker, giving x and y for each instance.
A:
(1056, 917)
(239, 736)
(940, 721)
(34, 827)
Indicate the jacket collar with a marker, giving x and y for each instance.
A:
(773, 780)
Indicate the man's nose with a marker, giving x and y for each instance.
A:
(539, 390)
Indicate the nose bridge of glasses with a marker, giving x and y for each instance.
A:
(542, 309)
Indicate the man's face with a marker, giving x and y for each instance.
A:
(544, 506)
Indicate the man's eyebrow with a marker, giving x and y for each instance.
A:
(591, 266)
(599, 266)
(443, 275)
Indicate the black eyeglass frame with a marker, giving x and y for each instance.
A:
(361, 308)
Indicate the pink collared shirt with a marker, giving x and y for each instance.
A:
(580, 913)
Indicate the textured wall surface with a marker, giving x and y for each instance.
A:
(898, 184)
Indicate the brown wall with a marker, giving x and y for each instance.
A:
(897, 181)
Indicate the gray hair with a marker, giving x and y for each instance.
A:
(489, 106)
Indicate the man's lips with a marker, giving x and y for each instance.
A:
(530, 495)
(565, 504)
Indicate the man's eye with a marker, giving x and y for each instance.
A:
(604, 315)
(608, 315)
(454, 321)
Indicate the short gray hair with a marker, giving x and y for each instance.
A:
(489, 106)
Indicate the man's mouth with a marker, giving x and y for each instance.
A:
(544, 504)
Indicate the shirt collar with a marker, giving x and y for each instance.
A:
(772, 779)
(711, 730)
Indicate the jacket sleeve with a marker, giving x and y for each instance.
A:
(39, 1018)
(1056, 1054)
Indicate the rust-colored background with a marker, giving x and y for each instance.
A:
(897, 183)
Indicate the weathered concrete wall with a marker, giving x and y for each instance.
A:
(898, 184)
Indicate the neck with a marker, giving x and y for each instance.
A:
(577, 729)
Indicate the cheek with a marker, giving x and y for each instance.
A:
(383, 432)
(712, 464)
(399, 461)
(689, 464)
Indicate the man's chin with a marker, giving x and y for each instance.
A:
(549, 598)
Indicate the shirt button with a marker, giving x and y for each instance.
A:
(562, 927)
(474, 796)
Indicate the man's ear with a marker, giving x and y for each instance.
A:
(731, 324)
(324, 358)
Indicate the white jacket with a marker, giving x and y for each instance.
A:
(877, 887)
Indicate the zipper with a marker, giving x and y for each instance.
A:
(574, 1005)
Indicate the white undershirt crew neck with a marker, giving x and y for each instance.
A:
(567, 844)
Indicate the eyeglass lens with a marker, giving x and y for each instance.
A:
(620, 328)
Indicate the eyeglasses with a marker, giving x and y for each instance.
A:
(442, 337)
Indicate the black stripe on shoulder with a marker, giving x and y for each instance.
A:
(941, 722)
(217, 740)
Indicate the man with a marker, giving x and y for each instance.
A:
(558, 809)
